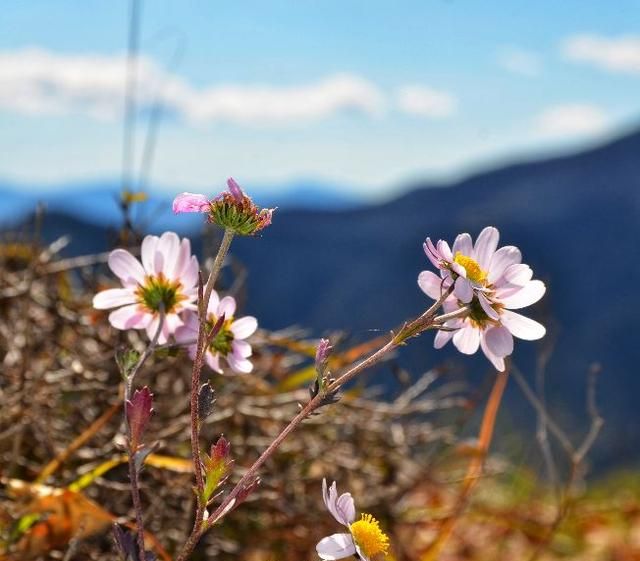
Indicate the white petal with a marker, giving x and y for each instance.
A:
(463, 244)
(431, 284)
(243, 327)
(336, 546)
(486, 246)
(527, 295)
(214, 301)
(467, 339)
(227, 306)
(518, 275)
(497, 361)
(113, 297)
(240, 365)
(126, 267)
(129, 317)
(346, 508)
(499, 341)
(521, 326)
(213, 360)
(444, 250)
(169, 247)
(182, 261)
(486, 306)
(463, 290)
(148, 253)
(189, 277)
(503, 258)
(442, 338)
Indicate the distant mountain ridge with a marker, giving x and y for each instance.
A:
(576, 219)
(98, 200)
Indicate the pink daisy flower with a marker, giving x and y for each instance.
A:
(229, 343)
(166, 281)
(492, 282)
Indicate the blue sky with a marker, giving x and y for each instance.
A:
(366, 94)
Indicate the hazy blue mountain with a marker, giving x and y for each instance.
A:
(576, 218)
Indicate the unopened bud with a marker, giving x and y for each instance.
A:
(138, 410)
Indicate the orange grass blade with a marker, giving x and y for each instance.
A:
(474, 470)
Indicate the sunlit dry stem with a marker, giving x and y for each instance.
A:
(417, 326)
(474, 470)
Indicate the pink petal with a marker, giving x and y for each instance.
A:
(235, 189)
(463, 290)
(241, 349)
(521, 326)
(148, 253)
(432, 253)
(432, 285)
(467, 339)
(485, 247)
(241, 365)
(463, 244)
(113, 298)
(527, 295)
(190, 202)
(129, 317)
(499, 341)
(503, 258)
(227, 306)
(126, 267)
(336, 546)
(186, 334)
(498, 362)
(243, 327)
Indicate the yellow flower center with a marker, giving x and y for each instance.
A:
(370, 538)
(471, 266)
(159, 292)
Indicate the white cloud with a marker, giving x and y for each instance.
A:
(616, 54)
(38, 82)
(571, 120)
(426, 102)
(519, 61)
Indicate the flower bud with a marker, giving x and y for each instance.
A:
(139, 410)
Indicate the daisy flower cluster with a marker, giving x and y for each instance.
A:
(491, 282)
(160, 292)
(364, 538)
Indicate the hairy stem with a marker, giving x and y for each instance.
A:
(203, 305)
(133, 471)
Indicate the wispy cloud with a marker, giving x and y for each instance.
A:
(571, 120)
(615, 54)
(425, 101)
(520, 61)
(39, 82)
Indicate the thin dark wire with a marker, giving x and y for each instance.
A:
(128, 141)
